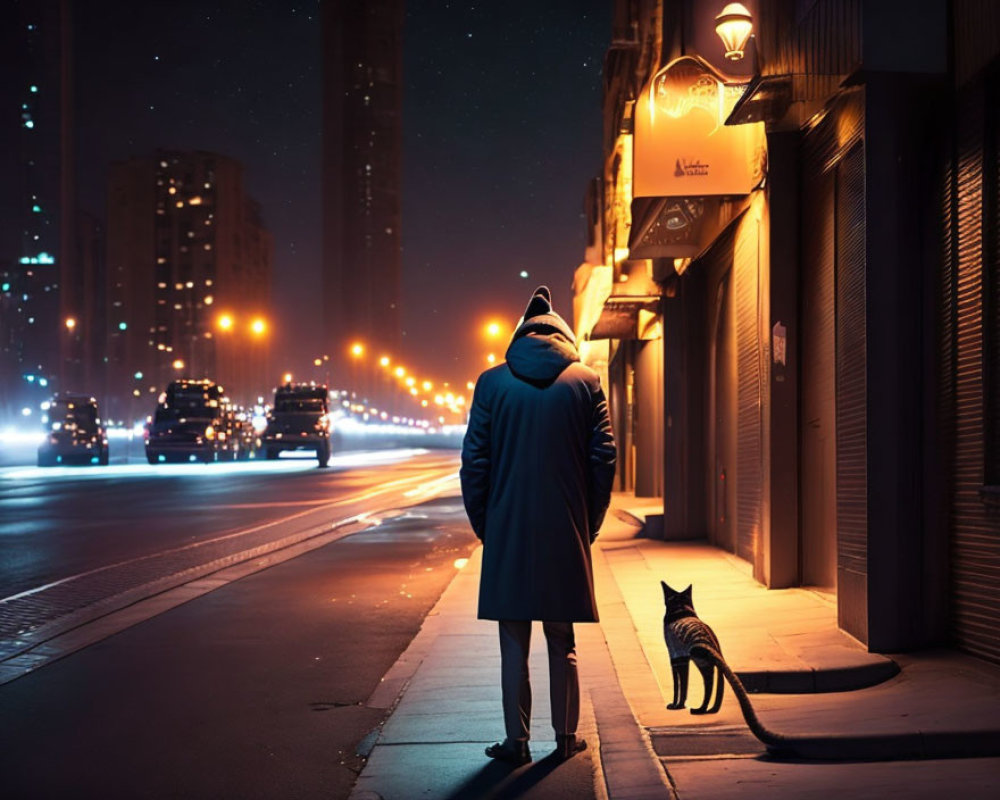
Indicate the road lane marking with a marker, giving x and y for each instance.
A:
(65, 635)
(362, 497)
(278, 504)
(430, 487)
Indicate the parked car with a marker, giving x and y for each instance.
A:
(74, 432)
(299, 420)
(193, 419)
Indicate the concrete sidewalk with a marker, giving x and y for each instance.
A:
(445, 695)
(446, 698)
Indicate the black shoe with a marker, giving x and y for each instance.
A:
(511, 752)
(567, 746)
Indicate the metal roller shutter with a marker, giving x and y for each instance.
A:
(991, 261)
(817, 432)
(833, 463)
(852, 394)
(749, 470)
(975, 545)
(721, 398)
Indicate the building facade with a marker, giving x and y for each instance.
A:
(37, 205)
(188, 283)
(362, 141)
(800, 319)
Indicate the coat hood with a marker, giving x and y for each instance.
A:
(543, 345)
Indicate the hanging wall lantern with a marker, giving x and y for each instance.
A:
(734, 26)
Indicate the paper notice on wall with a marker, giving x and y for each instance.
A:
(779, 343)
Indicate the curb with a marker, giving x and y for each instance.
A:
(890, 747)
(817, 681)
(625, 766)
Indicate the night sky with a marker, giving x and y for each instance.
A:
(501, 132)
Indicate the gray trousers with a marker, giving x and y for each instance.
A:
(564, 684)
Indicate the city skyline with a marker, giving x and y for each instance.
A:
(476, 211)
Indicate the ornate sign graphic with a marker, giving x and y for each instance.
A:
(682, 145)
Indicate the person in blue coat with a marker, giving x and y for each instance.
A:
(538, 461)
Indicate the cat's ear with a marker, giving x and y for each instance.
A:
(687, 592)
(667, 591)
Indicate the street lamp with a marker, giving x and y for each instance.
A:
(224, 322)
(259, 356)
(357, 351)
(734, 26)
(70, 323)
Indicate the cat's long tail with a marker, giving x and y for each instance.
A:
(766, 736)
(873, 747)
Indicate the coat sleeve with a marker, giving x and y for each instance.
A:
(476, 463)
(602, 457)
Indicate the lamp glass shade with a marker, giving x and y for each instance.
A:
(734, 26)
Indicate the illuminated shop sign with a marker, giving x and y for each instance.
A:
(682, 146)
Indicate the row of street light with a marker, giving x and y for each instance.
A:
(428, 394)
(382, 375)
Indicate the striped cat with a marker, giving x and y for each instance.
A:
(689, 639)
(683, 630)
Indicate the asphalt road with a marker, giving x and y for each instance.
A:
(73, 536)
(256, 689)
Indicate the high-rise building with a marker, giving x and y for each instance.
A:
(362, 77)
(36, 195)
(189, 272)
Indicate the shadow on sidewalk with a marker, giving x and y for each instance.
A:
(499, 781)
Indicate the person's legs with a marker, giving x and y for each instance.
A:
(564, 687)
(564, 684)
(515, 641)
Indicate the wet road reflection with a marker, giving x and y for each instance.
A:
(59, 522)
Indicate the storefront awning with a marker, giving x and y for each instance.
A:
(784, 102)
(679, 227)
(620, 316)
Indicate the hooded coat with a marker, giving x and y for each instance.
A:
(538, 461)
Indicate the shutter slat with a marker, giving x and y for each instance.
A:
(975, 536)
